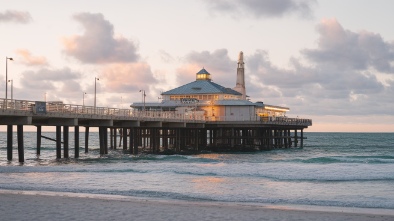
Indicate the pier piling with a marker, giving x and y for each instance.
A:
(21, 151)
(76, 141)
(9, 142)
(58, 142)
(38, 144)
(65, 141)
(86, 139)
(105, 140)
(111, 138)
(124, 130)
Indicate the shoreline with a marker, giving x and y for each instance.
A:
(22, 204)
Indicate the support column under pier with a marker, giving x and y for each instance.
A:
(285, 135)
(86, 139)
(65, 141)
(21, 151)
(105, 133)
(131, 141)
(101, 140)
(38, 140)
(58, 142)
(115, 137)
(9, 142)
(124, 130)
(136, 139)
(111, 138)
(271, 140)
(76, 142)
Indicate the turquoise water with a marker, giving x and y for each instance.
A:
(333, 169)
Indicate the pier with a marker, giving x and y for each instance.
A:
(148, 131)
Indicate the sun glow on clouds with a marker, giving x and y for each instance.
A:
(123, 78)
(28, 59)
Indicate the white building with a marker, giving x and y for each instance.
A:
(204, 99)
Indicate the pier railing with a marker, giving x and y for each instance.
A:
(29, 108)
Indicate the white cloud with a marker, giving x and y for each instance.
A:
(98, 44)
(15, 16)
(346, 49)
(59, 84)
(261, 9)
(340, 79)
(218, 63)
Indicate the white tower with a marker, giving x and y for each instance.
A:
(240, 86)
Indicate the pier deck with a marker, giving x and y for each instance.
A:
(149, 131)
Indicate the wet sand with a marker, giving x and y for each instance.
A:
(29, 205)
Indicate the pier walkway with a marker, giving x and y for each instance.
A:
(152, 131)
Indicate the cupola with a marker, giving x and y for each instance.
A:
(203, 75)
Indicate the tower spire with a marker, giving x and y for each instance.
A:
(240, 86)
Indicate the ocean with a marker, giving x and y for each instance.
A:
(333, 169)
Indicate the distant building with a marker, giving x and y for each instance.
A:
(206, 100)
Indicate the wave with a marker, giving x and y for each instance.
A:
(198, 197)
(351, 159)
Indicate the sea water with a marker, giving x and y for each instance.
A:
(333, 169)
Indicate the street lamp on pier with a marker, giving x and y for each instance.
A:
(143, 98)
(6, 79)
(12, 88)
(95, 84)
(83, 99)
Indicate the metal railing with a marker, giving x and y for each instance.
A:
(58, 107)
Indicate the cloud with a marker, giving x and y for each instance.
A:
(15, 16)
(26, 58)
(165, 57)
(261, 9)
(340, 77)
(218, 63)
(124, 78)
(98, 44)
(335, 91)
(345, 49)
(58, 84)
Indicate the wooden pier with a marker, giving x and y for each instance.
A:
(147, 131)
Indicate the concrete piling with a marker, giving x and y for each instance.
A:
(9, 142)
(58, 142)
(21, 151)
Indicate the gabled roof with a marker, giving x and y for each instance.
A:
(201, 87)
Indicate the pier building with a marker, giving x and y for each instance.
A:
(200, 116)
(204, 99)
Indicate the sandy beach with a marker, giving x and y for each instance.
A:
(25, 205)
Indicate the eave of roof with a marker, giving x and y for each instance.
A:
(201, 87)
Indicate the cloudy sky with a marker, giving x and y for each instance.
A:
(331, 61)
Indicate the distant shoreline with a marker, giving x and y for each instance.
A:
(21, 205)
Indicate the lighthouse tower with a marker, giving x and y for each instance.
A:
(240, 86)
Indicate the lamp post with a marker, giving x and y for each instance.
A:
(6, 79)
(12, 89)
(83, 99)
(95, 84)
(143, 98)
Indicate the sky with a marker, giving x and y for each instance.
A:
(331, 61)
